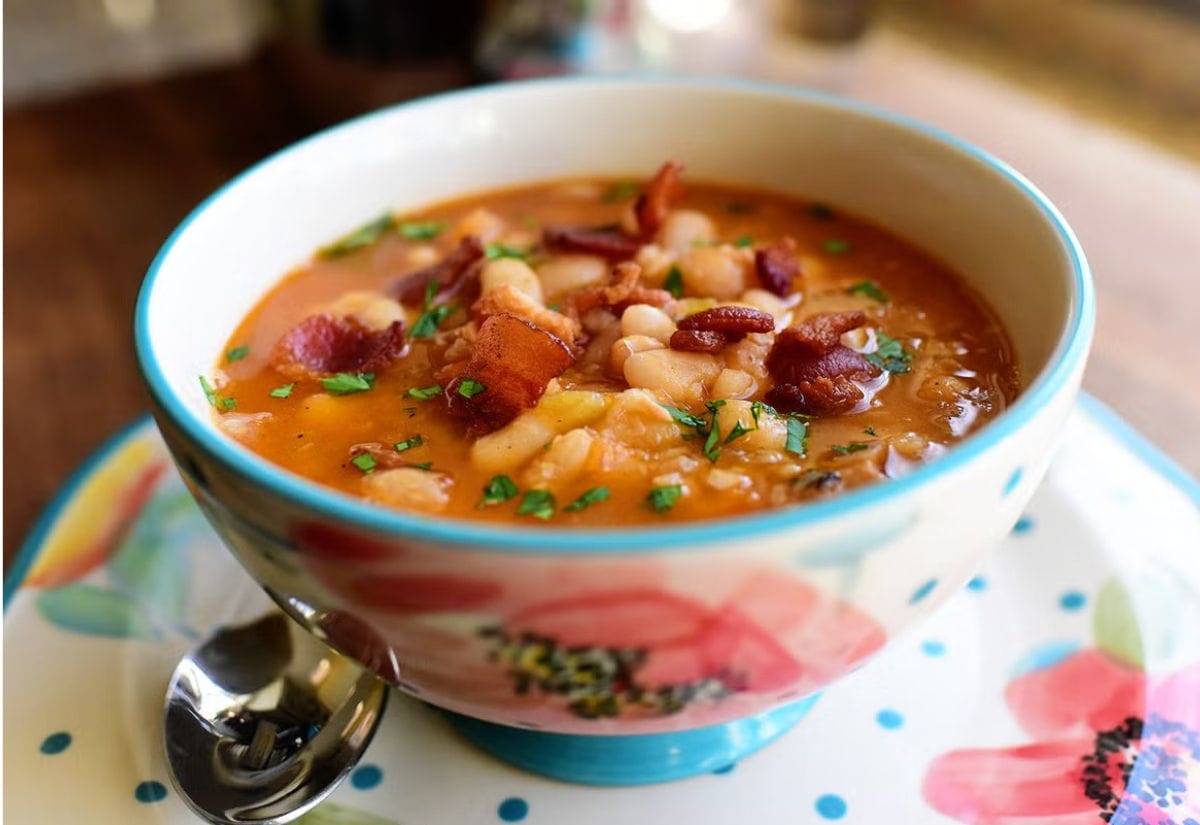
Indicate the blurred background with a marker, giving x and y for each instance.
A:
(121, 115)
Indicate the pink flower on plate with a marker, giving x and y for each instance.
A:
(1115, 745)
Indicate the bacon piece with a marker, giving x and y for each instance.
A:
(611, 243)
(820, 333)
(655, 201)
(506, 298)
(695, 340)
(777, 267)
(821, 396)
(514, 361)
(410, 289)
(623, 291)
(324, 344)
(730, 319)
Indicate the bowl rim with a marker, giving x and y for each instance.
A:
(1067, 356)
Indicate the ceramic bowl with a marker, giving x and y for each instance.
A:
(622, 655)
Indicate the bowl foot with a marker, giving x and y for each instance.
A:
(631, 760)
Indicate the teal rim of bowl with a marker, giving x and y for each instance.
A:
(1068, 355)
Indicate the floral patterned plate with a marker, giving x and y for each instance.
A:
(1060, 686)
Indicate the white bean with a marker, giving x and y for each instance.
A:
(715, 271)
(510, 271)
(684, 229)
(373, 310)
(733, 383)
(643, 319)
(622, 348)
(682, 377)
(408, 487)
(566, 273)
(483, 223)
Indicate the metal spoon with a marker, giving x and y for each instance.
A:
(263, 722)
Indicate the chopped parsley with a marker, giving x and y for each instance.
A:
(469, 388)
(237, 354)
(737, 432)
(712, 449)
(424, 393)
(499, 489)
(365, 462)
(344, 383)
(820, 212)
(494, 251)
(744, 241)
(684, 417)
(421, 230)
(431, 316)
(836, 246)
(797, 437)
(622, 191)
(587, 499)
(674, 282)
(869, 289)
(408, 443)
(662, 499)
(870, 431)
(537, 503)
(757, 408)
(284, 391)
(852, 447)
(424, 465)
(218, 402)
(890, 354)
(363, 236)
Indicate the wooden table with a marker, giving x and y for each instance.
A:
(95, 183)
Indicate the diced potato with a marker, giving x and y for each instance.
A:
(566, 273)
(683, 377)
(769, 434)
(409, 488)
(569, 409)
(563, 462)
(513, 272)
(636, 419)
(512, 445)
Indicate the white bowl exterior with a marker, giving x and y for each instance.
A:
(890, 562)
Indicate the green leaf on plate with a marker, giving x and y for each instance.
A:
(1115, 625)
(95, 611)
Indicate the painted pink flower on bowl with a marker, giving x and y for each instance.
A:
(1114, 745)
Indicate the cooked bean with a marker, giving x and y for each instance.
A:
(681, 376)
(643, 319)
(513, 272)
(685, 229)
(408, 487)
(624, 347)
(567, 273)
(717, 271)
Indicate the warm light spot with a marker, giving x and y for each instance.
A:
(688, 15)
(130, 15)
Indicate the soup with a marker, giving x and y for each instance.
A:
(597, 352)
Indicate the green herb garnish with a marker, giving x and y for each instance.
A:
(890, 354)
(587, 499)
(469, 388)
(869, 289)
(537, 503)
(757, 408)
(737, 432)
(344, 383)
(684, 417)
(662, 499)
(363, 236)
(365, 462)
(431, 316)
(499, 489)
(218, 402)
(674, 282)
(744, 241)
(870, 431)
(852, 447)
(237, 354)
(424, 465)
(820, 211)
(621, 191)
(797, 437)
(424, 393)
(835, 246)
(421, 230)
(284, 391)
(497, 250)
(408, 443)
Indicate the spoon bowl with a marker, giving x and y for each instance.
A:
(263, 722)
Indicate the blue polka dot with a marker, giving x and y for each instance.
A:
(148, 792)
(922, 591)
(513, 809)
(1072, 600)
(726, 769)
(932, 647)
(977, 584)
(56, 743)
(1013, 481)
(1024, 525)
(890, 719)
(366, 777)
(831, 806)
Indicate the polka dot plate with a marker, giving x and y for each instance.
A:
(1061, 685)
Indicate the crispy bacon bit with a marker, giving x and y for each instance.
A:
(730, 319)
(506, 298)
(611, 243)
(655, 201)
(325, 344)
(694, 340)
(814, 373)
(821, 396)
(410, 289)
(514, 361)
(777, 267)
(624, 291)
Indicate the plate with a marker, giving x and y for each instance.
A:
(1061, 685)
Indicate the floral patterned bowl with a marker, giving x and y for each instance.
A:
(623, 655)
